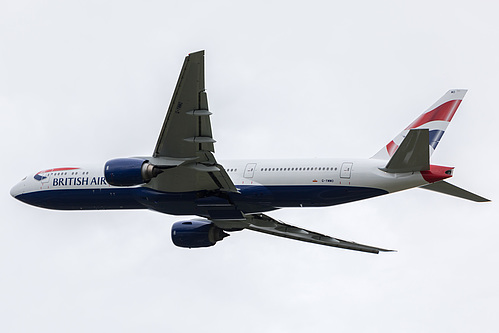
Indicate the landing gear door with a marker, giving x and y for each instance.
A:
(346, 170)
(250, 170)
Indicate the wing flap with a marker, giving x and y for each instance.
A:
(223, 179)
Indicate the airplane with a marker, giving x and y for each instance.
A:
(182, 177)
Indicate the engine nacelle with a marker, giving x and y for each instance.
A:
(129, 171)
(195, 233)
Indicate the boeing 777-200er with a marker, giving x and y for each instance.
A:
(182, 177)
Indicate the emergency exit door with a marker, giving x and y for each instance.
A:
(250, 170)
(346, 170)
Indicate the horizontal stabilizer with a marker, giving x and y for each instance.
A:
(449, 189)
(413, 153)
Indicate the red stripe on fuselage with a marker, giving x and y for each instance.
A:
(444, 112)
(56, 169)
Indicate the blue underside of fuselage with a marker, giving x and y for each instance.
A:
(251, 199)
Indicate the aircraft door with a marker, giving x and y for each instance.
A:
(45, 181)
(250, 170)
(346, 170)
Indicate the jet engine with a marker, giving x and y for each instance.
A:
(129, 171)
(196, 233)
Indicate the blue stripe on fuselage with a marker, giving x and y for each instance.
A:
(315, 195)
(84, 199)
(251, 199)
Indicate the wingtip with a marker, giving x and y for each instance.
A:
(385, 250)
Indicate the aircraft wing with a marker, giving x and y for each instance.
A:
(185, 144)
(187, 129)
(268, 225)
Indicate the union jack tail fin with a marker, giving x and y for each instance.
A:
(435, 119)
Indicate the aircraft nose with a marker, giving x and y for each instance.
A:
(18, 189)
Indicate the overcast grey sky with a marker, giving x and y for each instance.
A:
(83, 82)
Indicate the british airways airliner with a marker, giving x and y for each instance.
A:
(182, 177)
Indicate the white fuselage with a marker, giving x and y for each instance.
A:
(262, 184)
(320, 171)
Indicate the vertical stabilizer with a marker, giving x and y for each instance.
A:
(435, 119)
